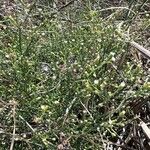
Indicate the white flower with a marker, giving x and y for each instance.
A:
(84, 111)
(43, 34)
(99, 40)
(54, 139)
(44, 107)
(39, 9)
(110, 121)
(112, 53)
(96, 82)
(113, 59)
(54, 77)
(56, 102)
(7, 56)
(94, 74)
(98, 129)
(122, 84)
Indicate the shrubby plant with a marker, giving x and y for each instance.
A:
(65, 82)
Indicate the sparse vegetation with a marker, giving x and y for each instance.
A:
(70, 78)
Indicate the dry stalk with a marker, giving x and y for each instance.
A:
(141, 49)
(14, 127)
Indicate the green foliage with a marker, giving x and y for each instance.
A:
(65, 77)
